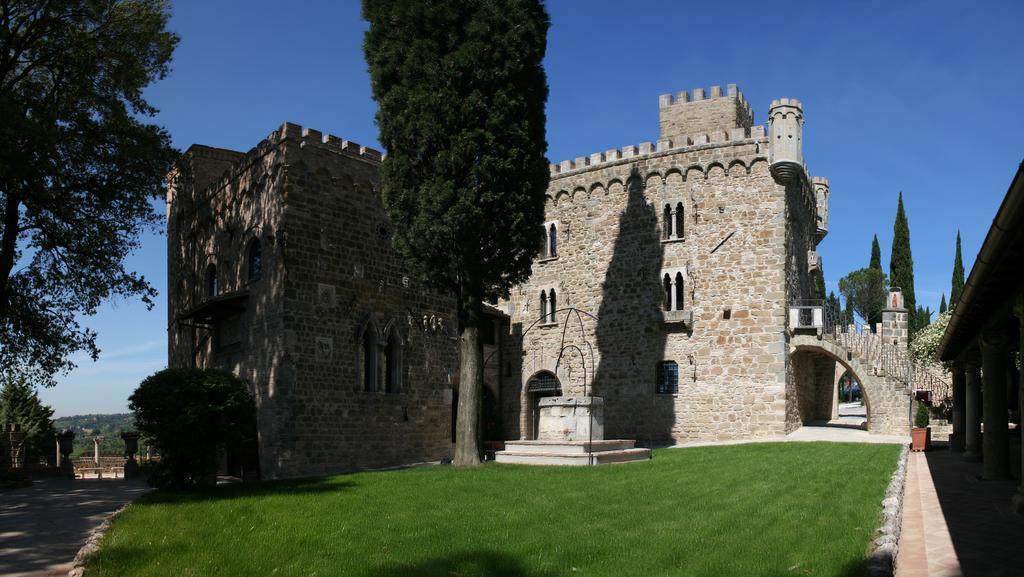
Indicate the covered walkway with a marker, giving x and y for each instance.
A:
(954, 523)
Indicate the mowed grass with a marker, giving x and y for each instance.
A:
(758, 509)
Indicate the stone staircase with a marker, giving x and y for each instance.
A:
(579, 453)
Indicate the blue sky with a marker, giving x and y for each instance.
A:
(922, 97)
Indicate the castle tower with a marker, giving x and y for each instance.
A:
(785, 139)
(695, 113)
(820, 184)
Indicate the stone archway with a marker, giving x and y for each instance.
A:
(812, 398)
(886, 398)
(541, 384)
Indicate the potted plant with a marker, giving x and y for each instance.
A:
(921, 434)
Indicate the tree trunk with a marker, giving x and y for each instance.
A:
(467, 424)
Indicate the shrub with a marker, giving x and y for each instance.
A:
(188, 414)
(921, 418)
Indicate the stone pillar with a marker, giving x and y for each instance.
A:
(996, 442)
(96, 450)
(66, 444)
(1018, 499)
(131, 447)
(956, 440)
(972, 429)
(895, 327)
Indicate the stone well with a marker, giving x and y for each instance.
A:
(571, 418)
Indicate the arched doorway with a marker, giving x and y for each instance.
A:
(542, 384)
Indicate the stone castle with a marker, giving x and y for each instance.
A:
(664, 288)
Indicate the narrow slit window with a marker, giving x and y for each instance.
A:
(551, 307)
(679, 224)
(667, 221)
(543, 307)
(255, 259)
(552, 241)
(212, 281)
(680, 291)
(668, 292)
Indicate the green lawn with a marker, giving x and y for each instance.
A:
(758, 509)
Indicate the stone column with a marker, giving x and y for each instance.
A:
(996, 441)
(96, 450)
(956, 440)
(972, 430)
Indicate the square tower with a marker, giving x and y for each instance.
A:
(696, 114)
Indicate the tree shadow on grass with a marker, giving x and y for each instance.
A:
(305, 486)
(463, 564)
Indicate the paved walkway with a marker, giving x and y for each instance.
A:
(955, 524)
(42, 527)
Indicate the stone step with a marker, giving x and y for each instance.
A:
(574, 447)
(573, 459)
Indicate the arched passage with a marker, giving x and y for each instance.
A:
(812, 397)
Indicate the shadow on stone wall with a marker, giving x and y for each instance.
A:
(630, 335)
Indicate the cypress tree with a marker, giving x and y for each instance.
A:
(958, 276)
(901, 265)
(876, 263)
(462, 90)
(942, 304)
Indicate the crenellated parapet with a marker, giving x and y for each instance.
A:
(646, 149)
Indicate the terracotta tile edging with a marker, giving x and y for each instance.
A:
(882, 552)
(92, 543)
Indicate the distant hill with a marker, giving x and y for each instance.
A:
(88, 426)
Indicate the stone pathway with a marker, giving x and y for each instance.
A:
(956, 525)
(42, 527)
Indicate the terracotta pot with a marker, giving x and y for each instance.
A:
(920, 439)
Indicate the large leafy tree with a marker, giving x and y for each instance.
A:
(187, 414)
(901, 267)
(865, 291)
(462, 90)
(958, 276)
(79, 168)
(20, 405)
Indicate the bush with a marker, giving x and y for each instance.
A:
(188, 414)
(921, 419)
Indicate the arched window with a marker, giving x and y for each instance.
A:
(667, 222)
(680, 286)
(212, 282)
(393, 363)
(551, 307)
(667, 378)
(368, 359)
(668, 292)
(679, 224)
(255, 259)
(552, 241)
(543, 307)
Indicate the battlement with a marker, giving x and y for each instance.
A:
(332, 142)
(698, 111)
(712, 139)
(782, 102)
